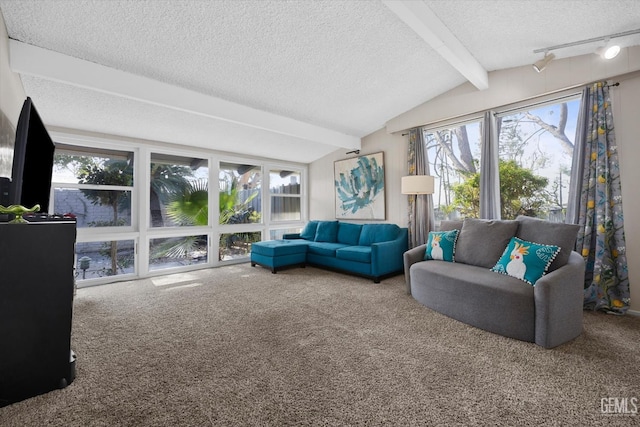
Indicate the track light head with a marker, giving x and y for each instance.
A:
(608, 52)
(542, 64)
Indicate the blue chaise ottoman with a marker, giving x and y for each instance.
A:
(274, 254)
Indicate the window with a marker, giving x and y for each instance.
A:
(453, 154)
(169, 252)
(535, 151)
(284, 188)
(104, 258)
(237, 245)
(179, 191)
(240, 196)
(278, 234)
(153, 215)
(535, 154)
(94, 185)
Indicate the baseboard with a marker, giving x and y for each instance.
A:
(633, 312)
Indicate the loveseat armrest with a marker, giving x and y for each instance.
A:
(410, 257)
(386, 257)
(558, 301)
(291, 236)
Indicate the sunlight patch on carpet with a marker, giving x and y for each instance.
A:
(190, 285)
(173, 279)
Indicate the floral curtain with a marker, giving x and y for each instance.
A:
(420, 206)
(601, 237)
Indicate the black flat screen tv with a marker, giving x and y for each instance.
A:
(32, 166)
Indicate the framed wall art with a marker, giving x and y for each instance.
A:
(359, 187)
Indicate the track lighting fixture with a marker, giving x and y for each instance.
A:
(542, 64)
(608, 51)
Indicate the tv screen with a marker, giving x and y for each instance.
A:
(32, 162)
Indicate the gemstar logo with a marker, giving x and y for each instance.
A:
(619, 405)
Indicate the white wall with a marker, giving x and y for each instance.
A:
(394, 147)
(626, 115)
(12, 93)
(507, 87)
(515, 85)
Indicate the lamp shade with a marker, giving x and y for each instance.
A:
(417, 184)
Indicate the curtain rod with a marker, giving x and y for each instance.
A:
(543, 102)
(536, 104)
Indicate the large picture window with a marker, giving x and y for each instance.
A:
(284, 188)
(179, 191)
(536, 151)
(240, 195)
(95, 260)
(453, 154)
(95, 186)
(154, 215)
(171, 252)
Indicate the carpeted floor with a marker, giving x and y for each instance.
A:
(239, 346)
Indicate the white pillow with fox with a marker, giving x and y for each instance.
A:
(441, 245)
(527, 261)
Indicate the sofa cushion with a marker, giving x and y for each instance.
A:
(324, 248)
(477, 296)
(376, 233)
(348, 233)
(355, 253)
(549, 233)
(447, 225)
(274, 248)
(309, 230)
(327, 231)
(527, 261)
(481, 241)
(441, 245)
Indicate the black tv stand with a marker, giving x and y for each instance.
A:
(36, 300)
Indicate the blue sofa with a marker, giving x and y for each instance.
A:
(370, 250)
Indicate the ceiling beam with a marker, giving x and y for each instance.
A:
(421, 19)
(35, 61)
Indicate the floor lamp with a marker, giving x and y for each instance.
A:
(415, 185)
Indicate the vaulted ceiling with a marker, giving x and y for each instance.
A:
(290, 80)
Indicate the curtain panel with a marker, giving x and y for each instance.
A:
(490, 171)
(420, 208)
(601, 239)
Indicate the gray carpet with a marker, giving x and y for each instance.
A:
(240, 346)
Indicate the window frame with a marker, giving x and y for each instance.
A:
(284, 195)
(140, 231)
(524, 105)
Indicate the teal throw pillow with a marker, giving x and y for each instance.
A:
(327, 231)
(441, 245)
(527, 261)
(309, 231)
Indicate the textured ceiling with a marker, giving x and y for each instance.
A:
(347, 66)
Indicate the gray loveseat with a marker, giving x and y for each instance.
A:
(548, 313)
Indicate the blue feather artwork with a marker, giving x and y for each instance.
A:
(359, 187)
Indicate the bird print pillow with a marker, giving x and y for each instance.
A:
(526, 261)
(441, 245)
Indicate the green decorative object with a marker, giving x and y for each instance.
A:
(18, 211)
